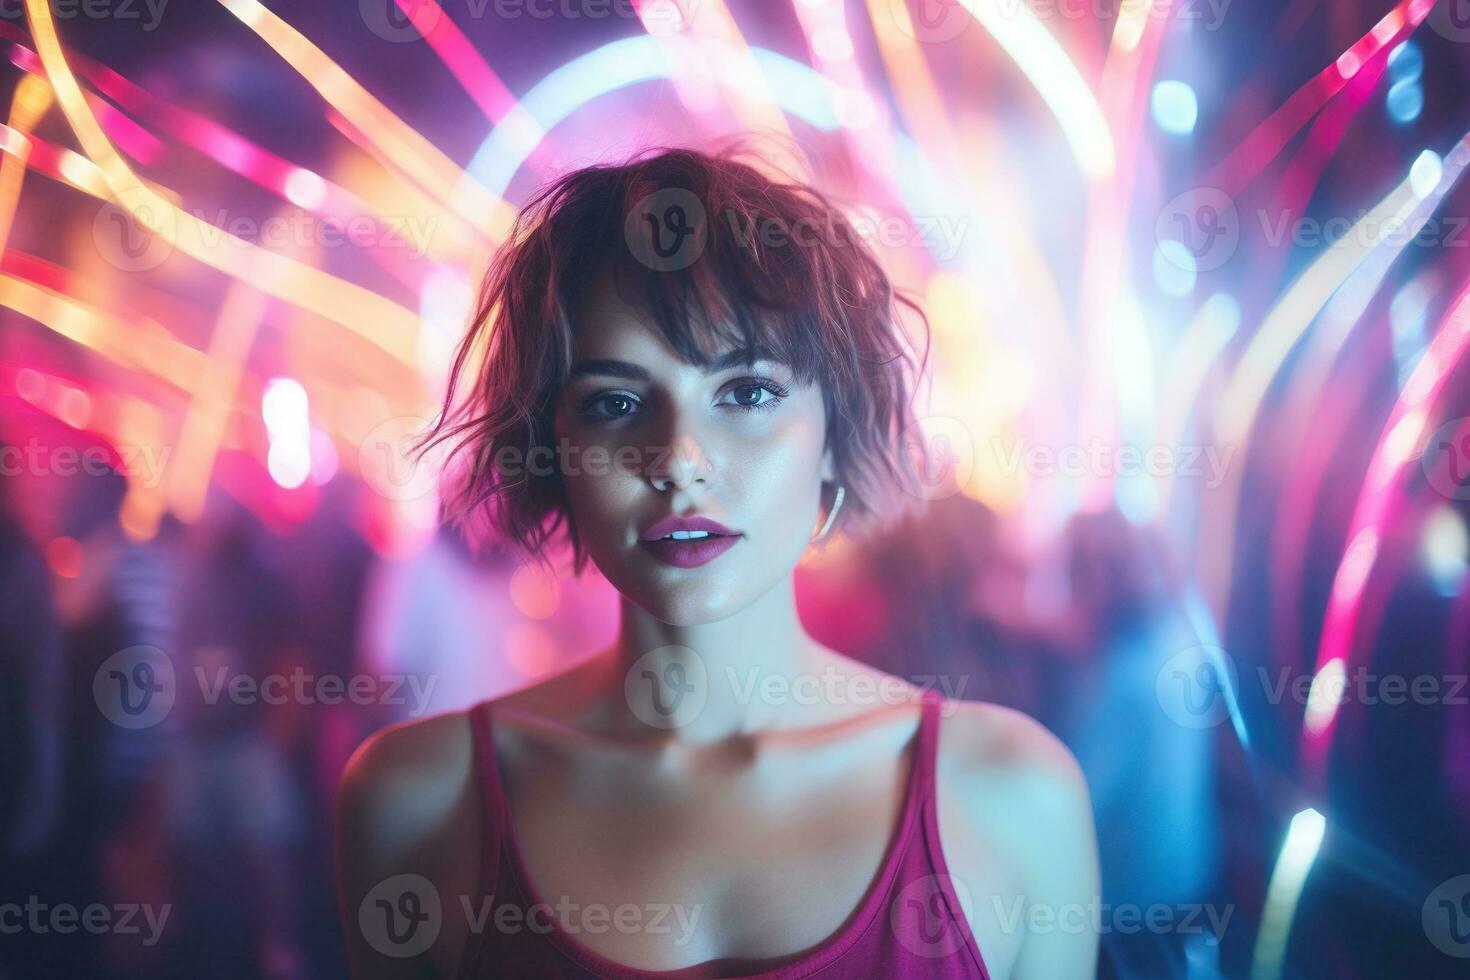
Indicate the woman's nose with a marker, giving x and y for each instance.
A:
(680, 464)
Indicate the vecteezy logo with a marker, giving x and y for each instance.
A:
(389, 464)
(1196, 686)
(134, 244)
(932, 21)
(401, 916)
(667, 687)
(667, 230)
(943, 455)
(135, 687)
(1450, 19)
(922, 920)
(399, 21)
(1205, 221)
(1446, 917)
(665, 17)
(942, 460)
(1446, 459)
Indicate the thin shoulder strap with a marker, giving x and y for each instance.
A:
(492, 823)
(492, 796)
(937, 867)
(929, 742)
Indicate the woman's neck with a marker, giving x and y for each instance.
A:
(713, 681)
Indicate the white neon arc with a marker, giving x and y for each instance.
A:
(800, 91)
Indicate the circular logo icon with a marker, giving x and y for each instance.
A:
(1205, 222)
(1446, 917)
(942, 453)
(401, 916)
(1446, 459)
(932, 21)
(1450, 19)
(922, 921)
(134, 233)
(390, 464)
(667, 230)
(1196, 686)
(400, 23)
(135, 687)
(667, 687)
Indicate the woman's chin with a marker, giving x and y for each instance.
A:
(685, 597)
(681, 610)
(684, 604)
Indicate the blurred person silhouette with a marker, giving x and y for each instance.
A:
(30, 696)
(324, 562)
(235, 811)
(1149, 761)
(31, 713)
(113, 595)
(935, 599)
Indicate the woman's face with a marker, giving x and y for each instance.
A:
(643, 435)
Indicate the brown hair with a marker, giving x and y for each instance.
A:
(756, 264)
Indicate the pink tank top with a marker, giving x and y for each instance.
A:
(909, 924)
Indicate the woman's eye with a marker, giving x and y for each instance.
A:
(610, 406)
(761, 395)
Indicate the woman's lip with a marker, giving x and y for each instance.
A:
(689, 552)
(697, 522)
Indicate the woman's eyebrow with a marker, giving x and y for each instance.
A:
(634, 372)
(609, 368)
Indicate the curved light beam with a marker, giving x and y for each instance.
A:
(1061, 86)
(360, 310)
(800, 91)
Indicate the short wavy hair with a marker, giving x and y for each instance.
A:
(774, 265)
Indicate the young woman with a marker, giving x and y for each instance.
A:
(696, 371)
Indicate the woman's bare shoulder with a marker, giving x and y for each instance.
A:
(992, 740)
(441, 747)
(1015, 818)
(406, 770)
(410, 755)
(1001, 764)
(408, 818)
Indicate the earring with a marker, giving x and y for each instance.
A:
(832, 514)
